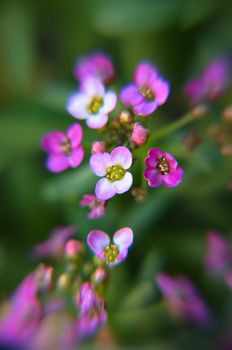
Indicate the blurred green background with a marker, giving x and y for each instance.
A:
(39, 44)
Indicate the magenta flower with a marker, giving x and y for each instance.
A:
(114, 167)
(21, 320)
(64, 149)
(183, 299)
(98, 206)
(147, 93)
(92, 103)
(113, 252)
(162, 169)
(211, 84)
(218, 257)
(92, 311)
(54, 246)
(98, 66)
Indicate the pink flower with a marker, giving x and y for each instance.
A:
(74, 248)
(139, 134)
(64, 149)
(97, 205)
(183, 299)
(98, 65)
(114, 252)
(92, 311)
(92, 103)
(211, 84)
(114, 167)
(148, 92)
(54, 246)
(162, 168)
(97, 147)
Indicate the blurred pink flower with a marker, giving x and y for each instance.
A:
(162, 169)
(139, 134)
(64, 149)
(98, 206)
(148, 92)
(97, 147)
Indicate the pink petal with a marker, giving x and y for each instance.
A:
(99, 162)
(109, 103)
(145, 73)
(97, 241)
(76, 157)
(154, 155)
(145, 107)
(174, 178)
(171, 160)
(123, 238)
(130, 95)
(122, 156)
(75, 134)
(97, 121)
(153, 177)
(104, 189)
(57, 163)
(77, 105)
(160, 88)
(124, 184)
(93, 87)
(52, 142)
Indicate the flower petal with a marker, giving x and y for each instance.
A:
(153, 177)
(109, 103)
(97, 121)
(130, 95)
(104, 189)
(77, 105)
(160, 88)
(124, 184)
(93, 87)
(97, 241)
(75, 134)
(145, 107)
(144, 74)
(76, 157)
(57, 163)
(52, 142)
(99, 162)
(174, 178)
(122, 156)
(123, 238)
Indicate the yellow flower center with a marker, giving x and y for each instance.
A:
(95, 104)
(147, 92)
(111, 253)
(163, 166)
(67, 147)
(115, 173)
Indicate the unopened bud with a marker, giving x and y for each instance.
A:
(44, 276)
(199, 111)
(139, 134)
(100, 275)
(64, 281)
(139, 194)
(226, 150)
(227, 114)
(73, 248)
(125, 117)
(98, 147)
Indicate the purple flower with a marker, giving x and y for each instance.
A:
(183, 299)
(114, 167)
(54, 246)
(218, 257)
(64, 149)
(92, 311)
(211, 84)
(98, 206)
(148, 91)
(162, 168)
(20, 322)
(113, 252)
(92, 103)
(98, 65)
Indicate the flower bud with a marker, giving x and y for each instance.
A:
(226, 150)
(100, 275)
(200, 110)
(64, 281)
(139, 194)
(139, 134)
(73, 248)
(98, 147)
(125, 117)
(227, 114)
(44, 277)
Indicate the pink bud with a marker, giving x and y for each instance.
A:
(139, 134)
(98, 147)
(100, 275)
(73, 248)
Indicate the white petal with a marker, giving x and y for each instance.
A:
(124, 184)
(104, 189)
(99, 162)
(121, 155)
(93, 87)
(77, 105)
(97, 121)
(109, 103)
